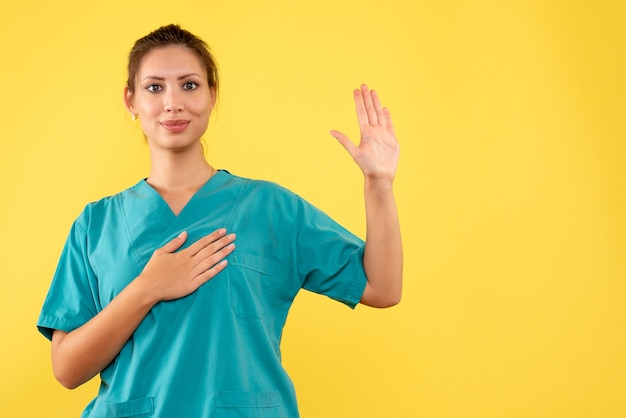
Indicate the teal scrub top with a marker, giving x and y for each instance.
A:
(215, 352)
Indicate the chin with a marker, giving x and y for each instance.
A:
(175, 144)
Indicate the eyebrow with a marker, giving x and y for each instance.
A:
(154, 77)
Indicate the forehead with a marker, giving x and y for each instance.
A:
(170, 60)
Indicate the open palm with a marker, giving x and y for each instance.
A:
(378, 151)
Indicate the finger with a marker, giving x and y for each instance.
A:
(361, 112)
(206, 263)
(389, 123)
(369, 105)
(380, 115)
(205, 241)
(175, 244)
(207, 275)
(213, 248)
(345, 142)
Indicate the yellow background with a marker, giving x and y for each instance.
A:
(511, 190)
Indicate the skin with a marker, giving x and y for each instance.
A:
(377, 156)
(173, 102)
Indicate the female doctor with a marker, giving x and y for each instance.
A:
(152, 292)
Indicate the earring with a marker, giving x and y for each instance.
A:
(134, 116)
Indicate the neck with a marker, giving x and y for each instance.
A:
(181, 171)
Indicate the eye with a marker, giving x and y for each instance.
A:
(190, 85)
(154, 88)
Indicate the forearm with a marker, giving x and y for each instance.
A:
(383, 248)
(83, 353)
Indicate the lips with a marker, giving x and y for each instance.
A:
(178, 125)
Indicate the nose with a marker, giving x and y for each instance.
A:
(172, 102)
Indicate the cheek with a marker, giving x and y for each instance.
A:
(201, 106)
(202, 113)
(148, 107)
(145, 103)
(203, 122)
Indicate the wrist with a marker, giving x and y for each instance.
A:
(378, 183)
(141, 293)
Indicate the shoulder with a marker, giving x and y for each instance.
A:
(258, 188)
(100, 208)
(269, 197)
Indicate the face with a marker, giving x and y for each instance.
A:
(172, 98)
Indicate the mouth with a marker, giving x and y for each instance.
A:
(178, 125)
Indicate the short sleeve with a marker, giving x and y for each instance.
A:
(72, 298)
(329, 257)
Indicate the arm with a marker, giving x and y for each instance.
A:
(79, 355)
(377, 156)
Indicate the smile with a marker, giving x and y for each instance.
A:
(175, 125)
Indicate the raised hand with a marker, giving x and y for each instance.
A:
(378, 151)
(171, 274)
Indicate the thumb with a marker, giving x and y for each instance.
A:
(175, 244)
(345, 142)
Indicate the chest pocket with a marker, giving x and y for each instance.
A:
(248, 277)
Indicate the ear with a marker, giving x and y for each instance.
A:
(213, 95)
(128, 100)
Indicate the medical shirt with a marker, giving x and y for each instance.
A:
(215, 352)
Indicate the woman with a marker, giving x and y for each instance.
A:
(150, 291)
